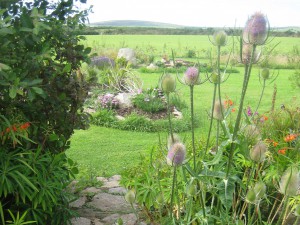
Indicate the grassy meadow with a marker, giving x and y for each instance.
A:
(106, 151)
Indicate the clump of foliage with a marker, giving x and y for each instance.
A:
(41, 99)
(247, 169)
(150, 101)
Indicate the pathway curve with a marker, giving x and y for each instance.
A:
(105, 205)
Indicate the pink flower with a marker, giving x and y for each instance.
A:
(256, 29)
(191, 76)
(176, 154)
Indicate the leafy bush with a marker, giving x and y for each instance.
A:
(151, 101)
(136, 123)
(104, 117)
(41, 99)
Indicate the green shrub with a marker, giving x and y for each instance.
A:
(104, 117)
(41, 99)
(137, 123)
(149, 102)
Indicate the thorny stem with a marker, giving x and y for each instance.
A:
(260, 98)
(211, 117)
(192, 124)
(285, 207)
(201, 200)
(169, 117)
(279, 207)
(172, 194)
(239, 116)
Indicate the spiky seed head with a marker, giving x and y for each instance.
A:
(256, 29)
(220, 38)
(297, 210)
(260, 190)
(191, 76)
(258, 152)
(251, 196)
(289, 182)
(247, 52)
(218, 110)
(215, 78)
(176, 154)
(167, 83)
(265, 73)
(252, 133)
(130, 196)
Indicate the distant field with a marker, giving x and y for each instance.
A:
(162, 44)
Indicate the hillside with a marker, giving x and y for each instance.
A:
(135, 23)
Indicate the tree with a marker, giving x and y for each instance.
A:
(42, 91)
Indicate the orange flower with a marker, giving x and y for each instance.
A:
(25, 126)
(265, 117)
(228, 103)
(233, 110)
(14, 128)
(290, 137)
(275, 143)
(282, 151)
(7, 130)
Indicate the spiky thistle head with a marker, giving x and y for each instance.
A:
(258, 152)
(256, 29)
(252, 133)
(220, 38)
(260, 190)
(167, 83)
(265, 73)
(130, 196)
(289, 182)
(218, 110)
(191, 76)
(176, 154)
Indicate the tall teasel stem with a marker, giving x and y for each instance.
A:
(169, 117)
(173, 190)
(211, 117)
(248, 68)
(192, 124)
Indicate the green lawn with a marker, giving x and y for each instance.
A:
(105, 151)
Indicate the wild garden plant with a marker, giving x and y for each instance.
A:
(245, 172)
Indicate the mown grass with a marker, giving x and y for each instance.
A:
(107, 151)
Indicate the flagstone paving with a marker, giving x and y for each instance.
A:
(105, 205)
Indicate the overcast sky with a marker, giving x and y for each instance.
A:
(204, 13)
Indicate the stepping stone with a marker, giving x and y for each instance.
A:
(111, 184)
(115, 177)
(118, 190)
(110, 203)
(78, 203)
(102, 179)
(80, 221)
(91, 190)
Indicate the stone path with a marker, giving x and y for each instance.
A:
(105, 205)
